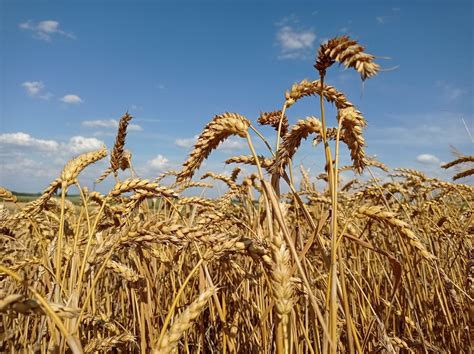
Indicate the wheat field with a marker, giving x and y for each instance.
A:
(271, 266)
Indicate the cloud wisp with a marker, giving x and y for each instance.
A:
(230, 144)
(109, 124)
(36, 89)
(45, 30)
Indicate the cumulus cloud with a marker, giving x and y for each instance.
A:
(108, 124)
(20, 141)
(80, 144)
(428, 159)
(71, 99)
(45, 30)
(294, 43)
(36, 89)
(159, 162)
(26, 140)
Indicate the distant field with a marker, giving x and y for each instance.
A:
(28, 197)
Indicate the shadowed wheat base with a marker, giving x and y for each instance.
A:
(331, 266)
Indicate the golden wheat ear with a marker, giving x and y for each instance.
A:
(119, 158)
(6, 195)
(347, 52)
(273, 119)
(215, 132)
(292, 140)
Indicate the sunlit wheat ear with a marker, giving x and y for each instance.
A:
(134, 184)
(465, 173)
(291, 142)
(250, 160)
(371, 161)
(76, 165)
(183, 322)
(215, 132)
(6, 195)
(460, 160)
(117, 152)
(352, 124)
(235, 173)
(377, 212)
(166, 174)
(221, 177)
(104, 345)
(37, 205)
(282, 287)
(273, 119)
(310, 88)
(331, 134)
(347, 52)
(118, 158)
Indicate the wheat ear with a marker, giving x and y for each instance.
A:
(273, 119)
(117, 151)
(347, 52)
(76, 165)
(462, 159)
(6, 195)
(310, 88)
(352, 124)
(291, 142)
(134, 184)
(183, 322)
(219, 129)
(376, 212)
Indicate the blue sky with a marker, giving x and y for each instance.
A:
(70, 69)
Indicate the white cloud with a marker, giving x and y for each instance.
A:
(159, 162)
(80, 144)
(72, 99)
(294, 43)
(186, 142)
(26, 140)
(108, 123)
(393, 14)
(33, 87)
(11, 142)
(428, 159)
(45, 30)
(36, 89)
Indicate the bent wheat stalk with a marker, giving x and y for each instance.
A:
(215, 132)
